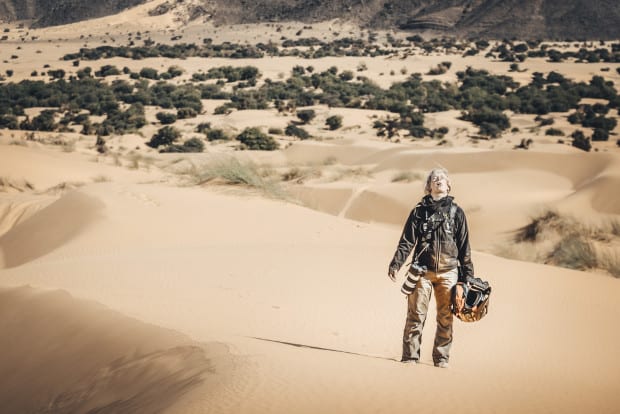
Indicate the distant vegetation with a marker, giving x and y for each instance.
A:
(313, 48)
(480, 96)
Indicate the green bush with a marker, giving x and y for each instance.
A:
(185, 113)
(107, 70)
(44, 121)
(306, 115)
(203, 127)
(581, 141)
(217, 135)
(600, 135)
(149, 73)
(491, 122)
(295, 131)
(164, 136)
(254, 139)
(334, 122)
(166, 118)
(8, 121)
(554, 132)
(191, 145)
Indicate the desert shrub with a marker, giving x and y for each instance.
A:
(203, 127)
(554, 132)
(418, 131)
(295, 131)
(334, 122)
(56, 73)
(440, 69)
(255, 139)
(175, 71)
(234, 74)
(306, 115)
(346, 75)
(44, 121)
(185, 113)
(149, 73)
(600, 122)
(223, 110)
(166, 118)
(9, 121)
(164, 136)
(191, 145)
(491, 122)
(107, 70)
(544, 121)
(217, 135)
(581, 141)
(600, 135)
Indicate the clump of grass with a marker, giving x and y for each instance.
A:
(611, 263)
(101, 179)
(358, 173)
(406, 176)
(546, 221)
(231, 171)
(300, 175)
(573, 252)
(9, 184)
(561, 240)
(136, 161)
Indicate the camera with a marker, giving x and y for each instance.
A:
(413, 275)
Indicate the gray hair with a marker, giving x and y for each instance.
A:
(436, 171)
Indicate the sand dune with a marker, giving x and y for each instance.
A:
(83, 357)
(318, 322)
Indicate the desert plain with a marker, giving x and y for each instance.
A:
(134, 281)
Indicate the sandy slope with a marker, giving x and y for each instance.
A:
(232, 269)
(60, 354)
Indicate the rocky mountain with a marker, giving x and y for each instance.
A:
(525, 19)
(55, 12)
(547, 19)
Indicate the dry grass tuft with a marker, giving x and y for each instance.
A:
(231, 171)
(560, 240)
(407, 176)
(9, 184)
(301, 175)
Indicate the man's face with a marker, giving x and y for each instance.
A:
(439, 184)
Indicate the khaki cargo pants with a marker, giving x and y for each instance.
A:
(417, 309)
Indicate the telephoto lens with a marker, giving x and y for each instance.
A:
(413, 275)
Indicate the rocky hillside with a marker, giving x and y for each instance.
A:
(539, 19)
(557, 19)
(55, 12)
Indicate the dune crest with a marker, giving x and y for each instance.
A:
(83, 357)
(49, 228)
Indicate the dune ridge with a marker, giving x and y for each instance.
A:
(83, 357)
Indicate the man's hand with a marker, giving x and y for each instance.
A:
(392, 274)
(460, 301)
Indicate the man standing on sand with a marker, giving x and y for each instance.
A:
(436, 231)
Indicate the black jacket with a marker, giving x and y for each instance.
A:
(440, 244)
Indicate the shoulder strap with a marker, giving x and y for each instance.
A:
(453, 208)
